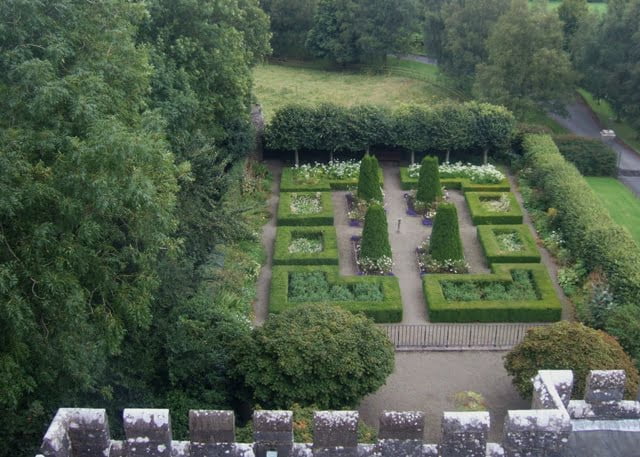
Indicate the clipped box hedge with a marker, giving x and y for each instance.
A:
(385, 311)
(586, 226)
(328, 255)
(287, 183)
(547, 309)
(481, 216)
(487, 235)
(463, 184)
(286, 217)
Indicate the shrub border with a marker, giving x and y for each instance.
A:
(481, 216)
(328, 255)
(489, 243)
(285, 218)
(463, 184)
(547, 309)
(324, 185)
(388, 310)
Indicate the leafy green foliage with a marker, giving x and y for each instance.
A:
(375, 239)
(316, 355)
(429, 188)
(590, 156)
(521, 288)
(445, 240)
(526, 66)
(290, 20)
(568, 346)
(368, 182)
(314, 287)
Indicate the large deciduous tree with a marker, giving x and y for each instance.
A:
(526, 66)
(291, 20)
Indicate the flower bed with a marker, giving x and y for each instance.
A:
(382, 266)
(288, 237)
(305, 209)
(427, 264)
(493, 208)
(513, 293)
(378, 297)
(477, 174)
(336, 175)
(508, 244)
(460, 183)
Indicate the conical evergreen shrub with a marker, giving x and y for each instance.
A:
(375, 238)
(429, 189)
(368, 184)
(445, 241)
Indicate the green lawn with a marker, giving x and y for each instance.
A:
(623, 206)
(276, 85)
(608, 118)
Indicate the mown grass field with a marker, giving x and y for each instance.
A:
(623, 206)
(276, 85)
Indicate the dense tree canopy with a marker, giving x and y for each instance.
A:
(291, 20)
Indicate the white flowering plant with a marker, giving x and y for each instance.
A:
(479, 174)
(427, 264)
(381, 266)
(499, 205)
(335, 169)
(306, 204)
(305, 245)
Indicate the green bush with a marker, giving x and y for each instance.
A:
(584, 222)
(568, 346)
(545, 308)
(286, 217)
(315, 355)
(284, 236)
(368, 182)
(387, 310)
(481, 215)
(375, 236)
(590, 156)
(624, 324)
(445, 243)
(429, 188)
(487, 234)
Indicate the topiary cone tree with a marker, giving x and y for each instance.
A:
(368, 183)
(445, 241)
(375, 239)
(429, 189)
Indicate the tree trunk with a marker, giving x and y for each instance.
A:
(413, 157)
(297, 158)
(446, 160)
(485, 158)
(331, 156)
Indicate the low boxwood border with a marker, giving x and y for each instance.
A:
(285, 217)
(547, 309)
(324, 185)
(328, 256)
(463, 184)
(385, 311)
(487, 237)
(479, 215)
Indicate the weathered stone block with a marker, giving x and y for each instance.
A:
(273, 431)
(89, 432)
(56, 441)
(464, 434)
(536, 433)
(212, 426)
(408, 425)
(335, 433)
(147, 432)
(604, 386)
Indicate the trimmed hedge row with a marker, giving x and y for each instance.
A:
(448, 127)
(586, 226)
(328, 256)
(286, 217)
(546, 309)
(385, 311)
(288, 184)
(487, 236)
(480, 215)
(463, 184)
(590, 156)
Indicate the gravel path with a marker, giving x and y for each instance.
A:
(426, 381)
(344, 233)
(261, 305)
(469, 234)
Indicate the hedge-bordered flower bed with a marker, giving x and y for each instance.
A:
(463, 184)
(547, 308)
(288, 183)
(287, 217)
(389, 309)
(328, 255)
(481, 215)
(487, 234)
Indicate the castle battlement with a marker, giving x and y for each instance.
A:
(556, 426)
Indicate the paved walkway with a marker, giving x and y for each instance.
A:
(582, 121)
(344, 232)
(473, 253)
(261, 305)
(403, 246)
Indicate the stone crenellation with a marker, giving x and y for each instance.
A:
(543, 431)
